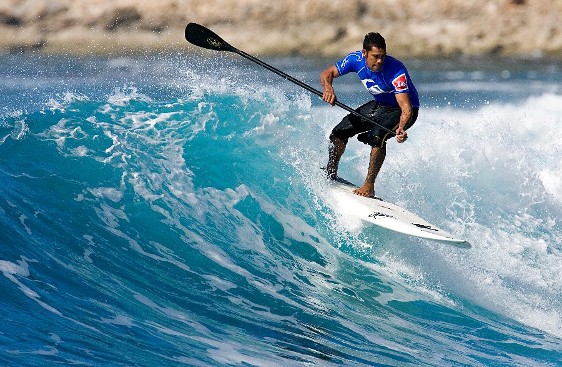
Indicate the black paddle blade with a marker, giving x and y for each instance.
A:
(204, 37)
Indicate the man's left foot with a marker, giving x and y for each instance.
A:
(366, 191)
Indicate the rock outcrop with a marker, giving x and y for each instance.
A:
(304, 27)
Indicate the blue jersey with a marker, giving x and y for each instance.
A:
(392, 79)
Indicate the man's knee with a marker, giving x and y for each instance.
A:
(337, 141)
(370, 138)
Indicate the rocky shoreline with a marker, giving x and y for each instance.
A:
(290, 27)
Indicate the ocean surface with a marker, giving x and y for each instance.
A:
(170, 210)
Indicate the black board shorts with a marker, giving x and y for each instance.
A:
(369, 133)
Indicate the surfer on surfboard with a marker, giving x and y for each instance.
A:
(394, 107)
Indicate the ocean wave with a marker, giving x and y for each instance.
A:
(196, 230)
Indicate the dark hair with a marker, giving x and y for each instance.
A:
(373, 39)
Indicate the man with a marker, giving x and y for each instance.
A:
(395, 106)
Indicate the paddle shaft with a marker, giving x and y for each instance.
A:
(282, 74)
(204, 37)
(304, 85)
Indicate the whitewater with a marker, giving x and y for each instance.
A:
(170, 210)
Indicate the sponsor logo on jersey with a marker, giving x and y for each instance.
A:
(400, 83)
(372, 86)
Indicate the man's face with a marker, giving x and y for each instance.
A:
(374, 58)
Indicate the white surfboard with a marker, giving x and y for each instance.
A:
(387, 215)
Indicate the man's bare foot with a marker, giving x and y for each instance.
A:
(367, 190)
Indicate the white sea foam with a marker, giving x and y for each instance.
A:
(14, 272)
(488, 174)
(500, 162)
(123, 96)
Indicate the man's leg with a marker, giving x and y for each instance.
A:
(375, 163)
(337, 147)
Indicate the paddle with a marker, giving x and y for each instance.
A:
(204, 37)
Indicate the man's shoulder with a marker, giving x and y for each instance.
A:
(350, 62)
(355, 56)
(394, 62)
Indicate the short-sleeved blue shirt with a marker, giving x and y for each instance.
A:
(392, 79)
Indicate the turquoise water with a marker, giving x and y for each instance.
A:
(170, 210)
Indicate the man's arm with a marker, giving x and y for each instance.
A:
(326, 78)
(405, 104)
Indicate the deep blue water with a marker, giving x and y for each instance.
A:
(169, 210)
